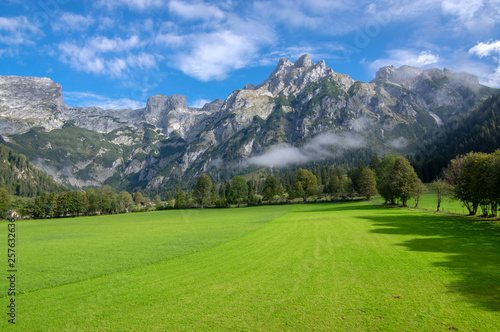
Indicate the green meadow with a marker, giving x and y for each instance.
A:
(309, 267)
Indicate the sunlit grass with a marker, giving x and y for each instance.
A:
(330, 267)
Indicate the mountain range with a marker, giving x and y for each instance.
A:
(303, 112)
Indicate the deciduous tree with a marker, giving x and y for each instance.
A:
(367, 184)
(307, 181)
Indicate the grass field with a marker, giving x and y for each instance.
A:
(323, 267)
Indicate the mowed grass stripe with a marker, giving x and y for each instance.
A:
(61, 251)
(342, 267)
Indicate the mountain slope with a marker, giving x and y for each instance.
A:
(304, 111)
(479, 131)
(21, 178)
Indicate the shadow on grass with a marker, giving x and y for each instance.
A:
(473, 247)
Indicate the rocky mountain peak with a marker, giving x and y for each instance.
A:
(406, 74)
(304, 61)
(461, 76)
(176, 102)
(35, 100)
(213, 106)
(284, 63)
(291, 78)
(397, 75)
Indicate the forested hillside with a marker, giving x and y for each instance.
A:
(478, 132)
(19, 177)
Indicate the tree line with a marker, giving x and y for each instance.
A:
(103, 200)
(393, 177)
(473, 179)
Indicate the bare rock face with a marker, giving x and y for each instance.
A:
(32, 101)
(291, 78)
(172, 115)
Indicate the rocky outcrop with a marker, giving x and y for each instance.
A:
(30, 101)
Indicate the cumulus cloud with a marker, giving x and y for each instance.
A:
(88, 99)
(221, 43)
(486, 49)
(104, 56)
(491, 50)
(18, 30)
(213, 55)
(320, 147)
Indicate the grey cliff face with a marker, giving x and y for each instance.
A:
(33, 101)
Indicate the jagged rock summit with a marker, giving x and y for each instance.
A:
(30, 101)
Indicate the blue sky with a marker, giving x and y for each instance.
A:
(117, 53)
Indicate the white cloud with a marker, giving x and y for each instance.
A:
(472, 15)
(426, 58)
(319, 147)
(199, 103)
(405, 57)
(103, 44)
(140, 5)
(486, 49)
(398, 143)
(72, 22)
(324, 15)
(222, 43)
(213, 55)
(487, 73)
(88, 99)
(104, 56)
(280, 156)
(169, 39)
(196, 10)
(18, 31)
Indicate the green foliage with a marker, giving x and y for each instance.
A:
(202, 190)
(138, 198)
(478, 131)
(180, 198)
(397, 180)
(295, 190)
(239, 189)
(19, 177)
(5, 203)
(367, 184)
(442, 189)
(355, 175)
(475, 178)
(124, 201)
(307, 181)
(272, 188)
